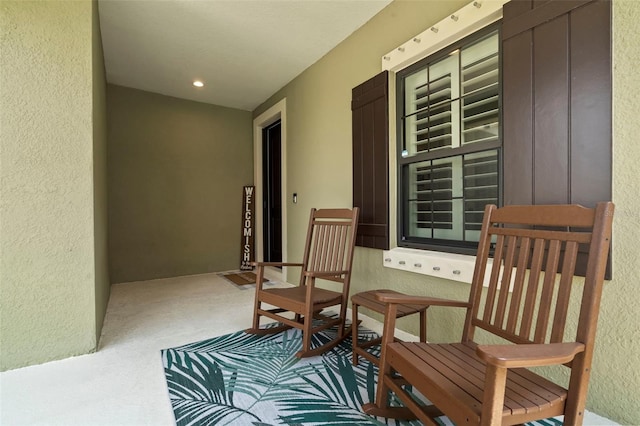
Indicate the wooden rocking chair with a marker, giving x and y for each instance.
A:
(328, 255)
(490, 384)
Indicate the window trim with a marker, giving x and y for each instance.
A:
(470, 19)
(465, 21)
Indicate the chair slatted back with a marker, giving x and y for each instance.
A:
(531, 274)
(330, 242)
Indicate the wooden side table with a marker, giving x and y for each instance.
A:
(367, 299)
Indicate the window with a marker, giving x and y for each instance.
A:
(449, 143)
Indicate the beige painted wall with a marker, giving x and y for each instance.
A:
(47, 249)
(103, 286)
(319, 170)
(319, 111)
(176, 170)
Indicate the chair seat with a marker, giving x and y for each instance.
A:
(294, 298)
(455, 377)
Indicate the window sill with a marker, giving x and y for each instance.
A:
(451, 266)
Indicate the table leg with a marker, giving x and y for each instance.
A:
(354, 331)
(423, 325)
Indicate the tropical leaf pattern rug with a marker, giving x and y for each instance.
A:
(244, 379)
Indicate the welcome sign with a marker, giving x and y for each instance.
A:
(247, 241)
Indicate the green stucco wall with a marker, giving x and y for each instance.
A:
(615, 386)
(176, 170)
(319, 111)
(319, 170)
(47, 251)
(99, 172)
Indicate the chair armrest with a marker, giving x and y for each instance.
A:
(275, 264)
(321, 274)
(418, 300)
(529, 355)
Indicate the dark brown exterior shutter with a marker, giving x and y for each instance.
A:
(557, 102)
(370, 124)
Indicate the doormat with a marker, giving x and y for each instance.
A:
(243, 278)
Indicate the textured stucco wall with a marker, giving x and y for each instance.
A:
(176, 170)
(99, 171)
(46, 191)
(319, 170)
(319, 111)
(615, 386)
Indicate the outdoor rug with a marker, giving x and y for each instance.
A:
(244, 379)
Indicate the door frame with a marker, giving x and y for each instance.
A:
(270, 116)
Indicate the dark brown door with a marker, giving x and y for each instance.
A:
(272, 192)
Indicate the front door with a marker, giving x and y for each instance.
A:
(272, 192)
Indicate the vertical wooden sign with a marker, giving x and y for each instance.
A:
(247, 242)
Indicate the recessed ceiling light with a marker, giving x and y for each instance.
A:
(198, 83)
